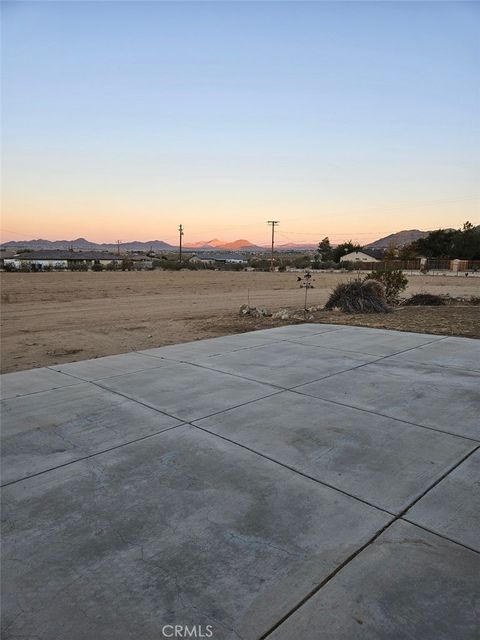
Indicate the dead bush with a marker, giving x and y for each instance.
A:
(358, 296)
(424, 299)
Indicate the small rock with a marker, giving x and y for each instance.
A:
(282, 314)
(260, 312)
(255, 312)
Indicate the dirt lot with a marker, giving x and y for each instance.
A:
(49, 318)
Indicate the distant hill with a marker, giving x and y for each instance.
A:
(205, 244)
(216, 243)
(82, 244)
(239, 245)
(399, 239)
(295, 246)
(236, 245)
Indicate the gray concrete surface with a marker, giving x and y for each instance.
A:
(181, 527)
(377, 342)
(33, 381)
(285, 364)
(461, 353)
(48, 429)
(408, 584)
(187, 392)
(325, 486)
(432, 396)
(90, 370)
(453, 506)
(385, 462)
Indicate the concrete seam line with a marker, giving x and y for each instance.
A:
(116, 375)
(382, 415)
(438, 480)
(357, 552)
(273, 384)
(293, 469)
(180, 344)
(441, 535)
(362, 365)
(327, 579)
(389, 355)
(93, 455)
(171, 415)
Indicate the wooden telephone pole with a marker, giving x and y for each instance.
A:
(273, 224)
(180, 232)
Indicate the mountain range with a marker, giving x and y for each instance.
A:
(236, 245)
(398, 239)
(81, 244)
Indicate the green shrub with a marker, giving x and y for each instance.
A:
(171, 265)
(98, 267)
(301, 262)
(127, 264)
(261, 264)
(10, 267)
(78, 266)
(327, 265)
(393, 280)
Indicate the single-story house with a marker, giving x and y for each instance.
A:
(39, 260)
(7, 254)
(358, 256)
(140, 261)
(219, 259)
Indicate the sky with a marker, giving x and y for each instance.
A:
(121, 120)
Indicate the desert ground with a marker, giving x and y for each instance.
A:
(51, 318)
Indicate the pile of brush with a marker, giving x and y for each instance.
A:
(358, 296)
(428, 299)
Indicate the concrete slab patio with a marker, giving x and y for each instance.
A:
(312, 481)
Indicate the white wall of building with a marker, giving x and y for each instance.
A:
(357, 256)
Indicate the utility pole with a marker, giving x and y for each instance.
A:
(118, 247)
(273, 224)
(180, 232)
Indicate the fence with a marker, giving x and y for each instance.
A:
(425, 265)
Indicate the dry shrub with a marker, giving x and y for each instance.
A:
(359, 297)
(427, 299)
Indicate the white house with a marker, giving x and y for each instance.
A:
(358, 256)
(219, 259)
(57, 259)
